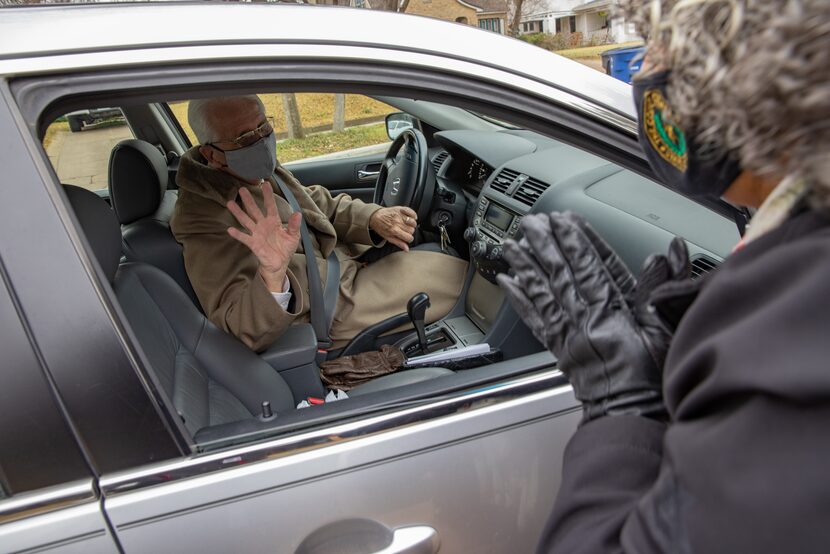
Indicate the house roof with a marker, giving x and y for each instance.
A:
(593, 5)
(488, 6)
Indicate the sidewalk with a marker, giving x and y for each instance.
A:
(83, 158)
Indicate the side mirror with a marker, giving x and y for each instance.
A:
(397, 123)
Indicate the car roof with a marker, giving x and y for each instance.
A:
(39, 31)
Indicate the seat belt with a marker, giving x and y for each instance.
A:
(322, 305)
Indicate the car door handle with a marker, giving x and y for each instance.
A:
(367, 175)
(418, 539)
(369, 536)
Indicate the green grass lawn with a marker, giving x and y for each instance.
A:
(327, 143)
(593, 51)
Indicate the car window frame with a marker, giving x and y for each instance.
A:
(38, 99)
(104, 396)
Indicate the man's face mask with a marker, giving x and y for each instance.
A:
(255, 161)
(673, 155)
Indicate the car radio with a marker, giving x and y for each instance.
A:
(492, 225)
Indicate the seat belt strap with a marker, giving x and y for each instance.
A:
(322, 307)
(332, 289)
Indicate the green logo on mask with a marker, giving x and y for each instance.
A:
(672, 136)
(665, 138)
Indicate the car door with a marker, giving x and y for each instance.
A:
(48, 498)
(477, 471)
(469, 468)
(481, 478)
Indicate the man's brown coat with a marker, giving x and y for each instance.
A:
(224, 273)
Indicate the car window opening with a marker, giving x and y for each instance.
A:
(481, 184)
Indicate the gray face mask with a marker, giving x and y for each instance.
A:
(256, 161)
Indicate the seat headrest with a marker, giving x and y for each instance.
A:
(100, 226)
(137, 179)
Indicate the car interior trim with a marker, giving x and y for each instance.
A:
(47, 500)
(550, 382)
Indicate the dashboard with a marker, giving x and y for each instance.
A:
(469, 172)
(508, 174)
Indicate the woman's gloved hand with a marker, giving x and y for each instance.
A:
(579, 300)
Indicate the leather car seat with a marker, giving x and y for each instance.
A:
(138, 193)
(210, 377)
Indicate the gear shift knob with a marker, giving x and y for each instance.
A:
(416, 308)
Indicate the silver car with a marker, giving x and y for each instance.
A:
(97, 454)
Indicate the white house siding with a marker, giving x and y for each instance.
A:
(589, 22)
(547, 11)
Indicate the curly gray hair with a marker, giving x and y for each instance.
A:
(749, 77)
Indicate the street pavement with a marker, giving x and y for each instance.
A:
(82, 158)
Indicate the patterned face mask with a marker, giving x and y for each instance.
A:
(672, 154)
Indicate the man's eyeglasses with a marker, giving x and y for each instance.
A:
(248, 138)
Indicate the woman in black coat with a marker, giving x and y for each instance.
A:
(706, 421)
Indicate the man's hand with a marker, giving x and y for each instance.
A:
(581, 302)
(396, 224)
(272, 244)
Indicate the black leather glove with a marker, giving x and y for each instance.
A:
(582, 303)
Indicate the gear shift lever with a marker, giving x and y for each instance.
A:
(416, 308)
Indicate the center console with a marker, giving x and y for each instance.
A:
(484, 316)
(493, 223)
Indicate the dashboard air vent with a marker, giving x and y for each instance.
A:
(701, 265)
(438, 160)
(503, 180)
(530, 191)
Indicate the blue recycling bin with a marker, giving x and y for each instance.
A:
(619, 62)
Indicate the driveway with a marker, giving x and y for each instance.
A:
(82, 158)
(593, 63)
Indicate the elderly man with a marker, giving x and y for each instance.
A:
(249, 270)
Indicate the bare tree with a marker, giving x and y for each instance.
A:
(515, 16)
(292, 116)
(339, 112)
(517, 9)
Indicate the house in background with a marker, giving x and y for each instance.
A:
(592, 19)
(487, 14)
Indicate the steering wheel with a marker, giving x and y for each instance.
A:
(405, 178)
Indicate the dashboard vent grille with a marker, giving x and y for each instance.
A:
(701, 265)
(438, 160)
(530, 191)
(503, 180)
